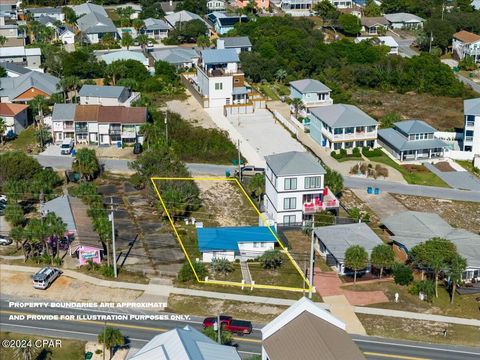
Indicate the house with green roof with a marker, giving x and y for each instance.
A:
(411, 140)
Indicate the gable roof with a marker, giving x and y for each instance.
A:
(227, 238)
(64, 29)
(342, 115)
(45, 20)
(14, 68)
(7, 109)
(156, 24)
(414, 126)
(87, 8)
(403, 18)
(294, 163)
(466, 37)
(236, 42)
(372, 21)
(304, 331)
(183, 16)
(124, 55)
(62, 112)
(309, 86)
(111, 114)
(338, 238)
(219, 56)
(186, 343)
(94, 23)
(61, 207)
(45, 10)
(471, 106)
(176, 55)
(13, 87)
(410, 228)
(166, 7)
(102, 91)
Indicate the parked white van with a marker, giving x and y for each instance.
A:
(45, 277)
(66, 147)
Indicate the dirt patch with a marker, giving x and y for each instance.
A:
(443, 113)
(224, 204)
(444, 166)
(191, 111)
(63, 289)
(350, 201)
(451, 211)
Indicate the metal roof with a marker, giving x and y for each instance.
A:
(102, 91)
(309, 86)
(220, 56)
(227, 238)
(124, 55)
(236, 42)
(14, 68)
(186, 343)
(45, 10)
(342, 115)
(240, 90)
(176, 55)
(88, 8)
(45, 20)
(13, 87)
(61, 207)
(19, 51)
(403, 18)
(62, 112)
(411, 228)
(338, 238)
(156, 24)
(414, 127)
(471, 106)
(183, 16)
(294, 163)
(399, 142)
(94, 23)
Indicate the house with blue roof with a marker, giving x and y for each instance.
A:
(411, 140)
(223, 22)
(245, 242)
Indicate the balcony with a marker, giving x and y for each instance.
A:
(354, 136)
(68, 128)
(81, 129)
(318, 204)
(115, 131)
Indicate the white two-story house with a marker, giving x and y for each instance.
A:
(295, 188)
(312, 92)
(465, 43)
(107, 95)
(342, 126)
(219, 79)
(471, 138)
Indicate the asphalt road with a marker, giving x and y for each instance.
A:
(139, 332)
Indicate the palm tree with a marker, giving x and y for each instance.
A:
(37, 232)
(86, 163)
(143, 40)
(115, 70)
(3, 40)
(68, 84)
(111, 338)
(38, 103)
(280, 75)
(42, 135)
(108, 40)
(203, 41)
(3, 128)
(138, 24)
(297, 104)
(26, 352)
(457, 267)
(17, 234)
(56, 228)
(127, 40)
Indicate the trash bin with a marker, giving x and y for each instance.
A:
(227, 173)
(119, 144)
(369, 190)
(377, 191)
(88, 355)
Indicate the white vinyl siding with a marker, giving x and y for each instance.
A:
(313, 182)
(290, 183)
(289, 203)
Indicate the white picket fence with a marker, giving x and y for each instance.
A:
(285, 122)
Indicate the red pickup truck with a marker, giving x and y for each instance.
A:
(239, 327)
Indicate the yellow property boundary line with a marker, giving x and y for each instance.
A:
(308, 286)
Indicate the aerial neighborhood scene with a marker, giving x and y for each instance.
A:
(239, 179)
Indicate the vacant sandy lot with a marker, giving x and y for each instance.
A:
(64, 289)
(191, 110)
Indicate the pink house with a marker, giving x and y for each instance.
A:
(260, 4)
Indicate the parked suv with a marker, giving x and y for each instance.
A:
(45, 277)
(249, 170)
(66, 147)
(4, 241)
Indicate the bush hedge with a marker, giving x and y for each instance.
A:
(369, 153)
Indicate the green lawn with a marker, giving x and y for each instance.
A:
(351, 158)
(273, 91)
(69, 349)
(413, 174)
(468, 165)
(24, 140)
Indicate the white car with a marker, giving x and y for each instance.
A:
(3, 198)
(5, 241)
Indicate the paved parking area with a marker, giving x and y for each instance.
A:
(457, 179)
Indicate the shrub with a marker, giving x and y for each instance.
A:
(271, 259)
(425, 286)
(343, 153)
(222, 266)
(356, 152)
(335, 155)
(107, 271)
(354, 169)
(186, 273)
(402, 274)
(369, 153)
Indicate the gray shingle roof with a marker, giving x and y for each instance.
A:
(61, 207)
(414, 127)
(13, 87)
(236, 42)
(403, 17)
(183, 16)
(220, 56)
(338, 238)
(88, 8)
(471, 106)
(14, 68)
(309, 86)
(410, 228)
(294, 163)
(400, 143)
(95, 23)
(63, 112)
(155, 24)
(342, 115)
(44, 20)
(175, 56)
(186, 343)
(102, 91)
(45, 10)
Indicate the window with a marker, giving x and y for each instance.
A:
(289, 219)
(338, 131)
(290, 184)
(313, 182)
(218, 86)
(255, 244)
(289, 203)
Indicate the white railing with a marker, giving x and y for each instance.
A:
(285, 122)
(459, 155)
(295, 121)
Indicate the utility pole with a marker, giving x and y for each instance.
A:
(166, 126)
(310, 274)
(104, 335)
(239, 160)
(304, 270)
(219, 336)
(112, 219)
